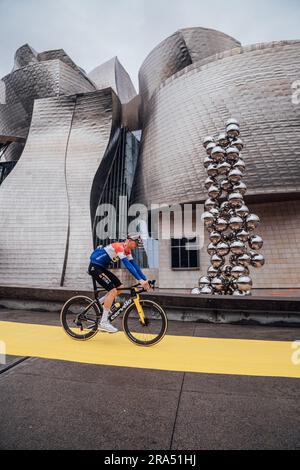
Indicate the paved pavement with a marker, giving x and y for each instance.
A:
(54, 403)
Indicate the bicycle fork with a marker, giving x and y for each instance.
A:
(139, 308)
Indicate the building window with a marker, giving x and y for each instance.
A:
(185, 253)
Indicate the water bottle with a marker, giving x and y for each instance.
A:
(115, 307)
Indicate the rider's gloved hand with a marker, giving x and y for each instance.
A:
(145, 285)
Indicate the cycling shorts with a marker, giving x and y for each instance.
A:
(104, 277)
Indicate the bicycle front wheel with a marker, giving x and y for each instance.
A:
(79, 318)
(154, 329)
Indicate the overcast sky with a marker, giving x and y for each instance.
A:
(93, 31)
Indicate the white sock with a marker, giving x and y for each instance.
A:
(105, 314)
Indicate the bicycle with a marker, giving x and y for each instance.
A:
(145, 323)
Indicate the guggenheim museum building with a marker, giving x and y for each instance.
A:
(71, 141)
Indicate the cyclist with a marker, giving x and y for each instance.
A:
(99, 262)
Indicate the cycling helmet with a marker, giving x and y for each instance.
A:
(136, 238)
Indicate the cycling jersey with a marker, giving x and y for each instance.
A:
(102, 257)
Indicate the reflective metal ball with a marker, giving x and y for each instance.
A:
(212, 170)
(236, 200)
(207, 162)
(224, 206)
(223, 249)
(240, 188)
(238, 247)
(195, 291)
(212, 272)
(217, 153)
(215, 237)
(222, 140)
(226, 185)
(224, 168)
(208, 140)
(252, 221)
(215, 212)
(235, 176)
(258, 260)
(221, 225)
(209, 182)
(210, 204)
(211, 249)
(207, 290)
(204, 281)
(217, 261)
(238, 293)
(240, 165)
(218, 284)
(233, 154)
(226, 270)
(233, 131)
(244, 260)
(237, 272)
(244, 283)
(256, 242)
(208, 219)
(236, 223)
(243, 236)
(232, 121)
(242, 211)
(239, 144)
(210, 147)
(214, 192)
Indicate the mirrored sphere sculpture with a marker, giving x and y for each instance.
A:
(227, 218)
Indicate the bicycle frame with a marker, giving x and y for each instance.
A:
(134, 298)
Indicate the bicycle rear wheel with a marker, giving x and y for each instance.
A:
(79, 318)
(155, 328)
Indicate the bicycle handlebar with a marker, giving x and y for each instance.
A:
(141, 289)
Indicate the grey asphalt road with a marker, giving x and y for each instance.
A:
(50, 404)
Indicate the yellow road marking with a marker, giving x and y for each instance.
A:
(174, 353)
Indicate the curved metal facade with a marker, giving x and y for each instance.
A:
(45, 202)
(179, 50)
(31, 79)
(34, 202)
(252, 84)
(112, 74)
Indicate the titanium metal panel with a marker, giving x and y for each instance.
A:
(112, 74)
(60, 55)
(177, 52)
(204, 42)
(25, 55)
(34, 202)
(252, 84)
(20, 88)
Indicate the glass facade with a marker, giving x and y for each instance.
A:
(5, 167)
(123, 156)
